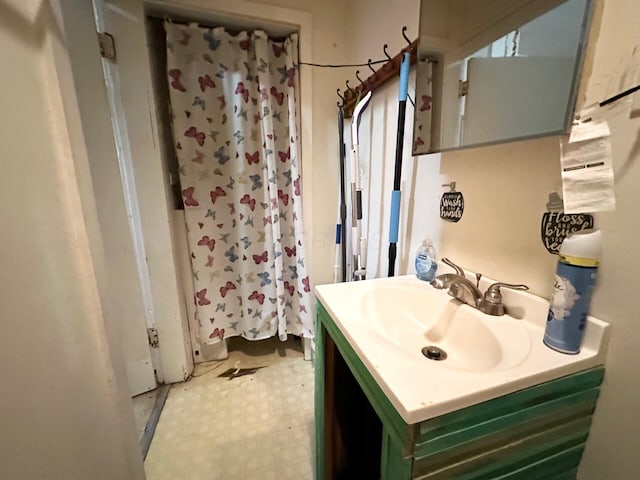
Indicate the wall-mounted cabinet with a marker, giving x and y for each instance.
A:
(504, 70)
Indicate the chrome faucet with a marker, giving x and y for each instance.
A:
(463, 289)
(447, 279)
(491, 302)
(460, 287)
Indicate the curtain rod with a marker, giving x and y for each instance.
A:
(190, 23)
(179, 22)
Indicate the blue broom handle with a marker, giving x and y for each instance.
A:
(395, 216)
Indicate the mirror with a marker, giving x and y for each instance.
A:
(494, 71)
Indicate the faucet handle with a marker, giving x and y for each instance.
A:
(458, 270)
(493, 294)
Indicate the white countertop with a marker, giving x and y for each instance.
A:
(420, 388)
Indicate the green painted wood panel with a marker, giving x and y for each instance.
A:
(399, 431)
(568, 475)
(477, 431)
(538, 432)
(319, 406)
(565, 461)
(555, 411)
(392, 464)
(512, 402)
(537, 452)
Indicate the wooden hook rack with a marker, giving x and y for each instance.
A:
(388, 71)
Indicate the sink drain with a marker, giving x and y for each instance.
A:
(434, 353)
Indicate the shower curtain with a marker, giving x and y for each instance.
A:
(234, 119)
(424, 113)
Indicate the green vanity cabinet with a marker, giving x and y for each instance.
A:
(538, 432)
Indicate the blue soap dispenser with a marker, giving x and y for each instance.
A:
(575, 278)
(426, 261)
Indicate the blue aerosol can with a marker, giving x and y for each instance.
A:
(575, 278)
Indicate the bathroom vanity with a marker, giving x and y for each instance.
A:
(501, 405)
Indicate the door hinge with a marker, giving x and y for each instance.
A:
(152, 333)
(463, 88)
(107, 46)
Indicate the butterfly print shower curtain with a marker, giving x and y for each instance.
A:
(233, 102)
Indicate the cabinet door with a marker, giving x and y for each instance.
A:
(507, 100)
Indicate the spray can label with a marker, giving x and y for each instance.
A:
(569, 304)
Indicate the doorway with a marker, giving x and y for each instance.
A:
(153, 180)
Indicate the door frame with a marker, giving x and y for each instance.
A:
(151, 181)
(87, 102)
(127, 174)
(136, 129)
(249, 15)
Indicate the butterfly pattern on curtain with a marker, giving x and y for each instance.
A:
(423, 109)
(233, 102)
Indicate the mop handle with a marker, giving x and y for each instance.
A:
(396, 194)
(355, 194)
(343, 202)
(336, 264)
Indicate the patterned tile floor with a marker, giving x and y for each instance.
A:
(257, 426)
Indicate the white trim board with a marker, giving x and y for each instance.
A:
(125, 20)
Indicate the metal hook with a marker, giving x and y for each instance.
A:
(404, 29)
(340, 95)
(351, 90)
(359, 79)
(370, 67)
(389, 65)
(384, 49)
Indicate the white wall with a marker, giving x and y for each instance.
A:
(505, 189)
(65, 414)
(372, 23)
(611, 451)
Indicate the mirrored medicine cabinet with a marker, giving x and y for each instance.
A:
(494, 71)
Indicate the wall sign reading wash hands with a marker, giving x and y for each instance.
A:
(557, 225)
(451, 204)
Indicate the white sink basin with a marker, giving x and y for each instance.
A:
(420, 317)
(389, 321)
